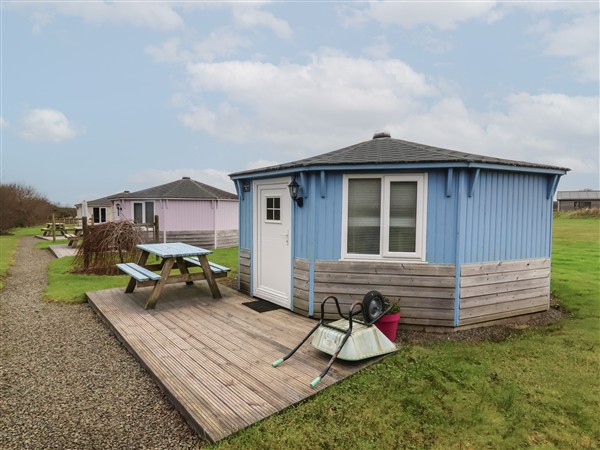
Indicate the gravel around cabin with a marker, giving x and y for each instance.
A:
(66, 382)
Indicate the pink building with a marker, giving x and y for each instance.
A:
(188, 211)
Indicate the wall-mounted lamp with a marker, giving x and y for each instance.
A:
(245, 186)
(295, 189)
(118, 205)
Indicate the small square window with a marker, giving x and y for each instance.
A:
(273, 211)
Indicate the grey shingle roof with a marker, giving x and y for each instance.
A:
(386, 150)
(578, 195)
(185, 188)
(104, 201)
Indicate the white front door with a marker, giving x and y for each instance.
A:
(272, 241)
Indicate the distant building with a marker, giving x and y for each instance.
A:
(188, 211)
(571, 200)
(99, 210)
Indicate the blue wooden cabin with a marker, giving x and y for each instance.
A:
(459, 239)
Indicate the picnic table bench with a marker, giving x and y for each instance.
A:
(172, 255)
(74, 237)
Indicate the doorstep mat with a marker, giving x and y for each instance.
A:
(261, 306)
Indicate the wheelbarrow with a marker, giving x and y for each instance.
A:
(348, 338)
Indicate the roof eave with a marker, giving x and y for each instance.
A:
(275, 171)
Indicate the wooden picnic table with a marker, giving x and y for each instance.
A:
(74, 237)
(59, 228)
(172, 255)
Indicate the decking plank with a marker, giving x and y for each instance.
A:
(212, 358)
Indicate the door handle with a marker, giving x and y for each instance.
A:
(287, 237)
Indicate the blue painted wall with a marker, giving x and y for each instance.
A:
(318, 224)
(508, 217)
(246, 224)
(441, 218)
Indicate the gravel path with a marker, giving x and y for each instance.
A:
(66, 381)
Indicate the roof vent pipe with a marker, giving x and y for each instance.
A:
(382, 134)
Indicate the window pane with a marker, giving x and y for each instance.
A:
(149, 212)
(403, 216)
(96, 213)
(364, 216)
(273, 209)
(137, 212)
(103, 215)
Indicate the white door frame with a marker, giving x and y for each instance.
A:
(273, 297)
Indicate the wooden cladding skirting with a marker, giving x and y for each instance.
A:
(493, 291)
(301, 283)
(244, 273)
(205, 239)
(425, 291)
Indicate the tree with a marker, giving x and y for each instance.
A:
(22, 206)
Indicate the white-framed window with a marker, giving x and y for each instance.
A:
(384, 216)
(273, 209)
(143, 212)
(99, 214)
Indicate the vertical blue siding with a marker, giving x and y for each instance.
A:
(508, 217)
(325, 216)
(246, 223)
(329, 218)
(441, 218)
(318, 224)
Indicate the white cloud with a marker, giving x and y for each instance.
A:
(155, 15)
(579, 40)
(550, 128)
(46, 125)
(219, 43)
(441, 15)
(294, 110)
(3, 122)
(251, 16)
(283, 103)
(213, 177)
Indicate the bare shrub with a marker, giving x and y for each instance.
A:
(105, 245)
(22, 206)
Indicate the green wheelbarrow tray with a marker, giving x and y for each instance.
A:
(348, 338)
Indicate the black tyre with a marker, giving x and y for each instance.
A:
(372, 306)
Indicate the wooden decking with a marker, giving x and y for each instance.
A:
(212, 358)
(62, 250)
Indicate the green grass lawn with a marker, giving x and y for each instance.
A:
(8, 246)
(71, 288)
(537, 389)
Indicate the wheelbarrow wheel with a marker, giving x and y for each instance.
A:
(372, 306)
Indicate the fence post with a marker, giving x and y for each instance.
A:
(53, 228)
(156, 229)
(84, 226)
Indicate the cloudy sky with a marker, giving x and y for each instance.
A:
(103, 97)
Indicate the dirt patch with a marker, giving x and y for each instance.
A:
(495, 333)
